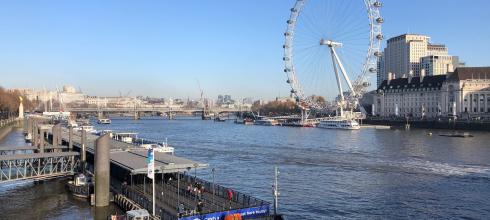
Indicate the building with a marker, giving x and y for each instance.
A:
(466, 92)
(462, 93)
(438, 64)
(402, 54)
(412, 96)
(412, 53)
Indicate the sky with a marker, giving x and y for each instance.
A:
(171, 48)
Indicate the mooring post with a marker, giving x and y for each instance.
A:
(70, 139)
(102, 171)
(41, 140)
(55, 136)
(29, 128)
(60, 137)
(83, 152)
(35, 133)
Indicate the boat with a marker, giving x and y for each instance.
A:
(138, 214)
(266, 122)
(126, 137)
(456, 134)
(339, 123)
(248, 121)
(219, 119)
(159, 148)
(87, 128)
(80, 186)
(104, 121)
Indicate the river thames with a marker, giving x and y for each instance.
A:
(364, 174)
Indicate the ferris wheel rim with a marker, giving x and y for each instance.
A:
(368, 66)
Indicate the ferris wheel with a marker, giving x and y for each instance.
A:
(330, 44)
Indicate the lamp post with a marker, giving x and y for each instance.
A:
(213, 170)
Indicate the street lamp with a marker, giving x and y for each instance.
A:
(213, 183)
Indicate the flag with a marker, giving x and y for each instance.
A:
(150, 161)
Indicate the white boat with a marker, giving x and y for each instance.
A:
(266, 122)
(104, 121)
(125, 137)
(159, 148)
(339, 123)
(87, 128)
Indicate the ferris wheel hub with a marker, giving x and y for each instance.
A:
(330, 43)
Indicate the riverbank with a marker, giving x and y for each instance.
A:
(448, 125)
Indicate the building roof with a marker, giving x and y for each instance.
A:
(428, 82)
(464, 73)
(135, 162)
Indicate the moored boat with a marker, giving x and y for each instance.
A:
(339, 123)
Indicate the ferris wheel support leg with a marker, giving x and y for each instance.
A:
(305, 113)
(339, 84)
(342, 70)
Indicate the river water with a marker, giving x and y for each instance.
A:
(324, 174)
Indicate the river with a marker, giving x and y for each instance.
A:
(324, 174)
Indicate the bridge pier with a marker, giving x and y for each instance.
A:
(136, 115)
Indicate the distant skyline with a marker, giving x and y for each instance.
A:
(163, 48)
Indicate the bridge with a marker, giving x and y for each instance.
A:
(155, 109)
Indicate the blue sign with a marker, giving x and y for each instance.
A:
(254, 212)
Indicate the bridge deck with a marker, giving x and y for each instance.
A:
(36, 155)
(15, 148)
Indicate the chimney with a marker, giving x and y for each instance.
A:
(390, 77)
(410, 76)
(422, 75)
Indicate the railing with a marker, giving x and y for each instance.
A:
(7, 121)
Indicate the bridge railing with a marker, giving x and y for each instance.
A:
(51, 165)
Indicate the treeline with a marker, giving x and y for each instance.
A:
(276, 108)
(9, 103)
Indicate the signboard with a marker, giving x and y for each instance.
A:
(150, 161)
(253, 212)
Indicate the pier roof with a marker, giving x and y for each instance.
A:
(135, 162)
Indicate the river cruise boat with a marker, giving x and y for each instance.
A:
(339, 123)
(126, 137)
(104, 121)
(266, 122)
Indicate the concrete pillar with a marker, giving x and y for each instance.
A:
(56, 136)
(83, 152)
(35, 134)
(70, 139)
(102, 170)
(41, 141)
(29, 128)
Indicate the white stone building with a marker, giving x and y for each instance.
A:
(463, 93)
(466, 92)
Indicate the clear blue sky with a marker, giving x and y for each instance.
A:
(161, 48)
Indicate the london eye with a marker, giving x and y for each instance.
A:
(331, 50)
